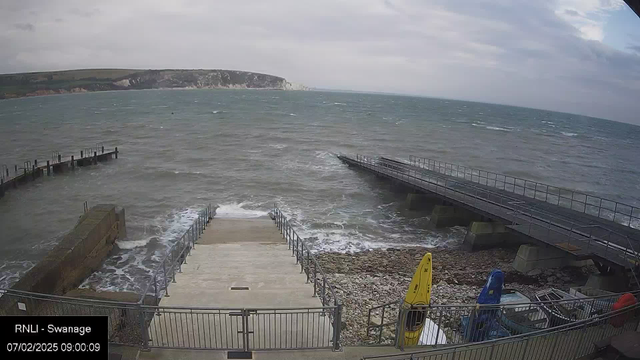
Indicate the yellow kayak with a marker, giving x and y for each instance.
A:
(418, 296)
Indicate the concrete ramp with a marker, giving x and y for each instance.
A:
(245, 286)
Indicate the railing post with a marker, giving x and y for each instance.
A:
(155, 287)
(337, 326)
(400, 327)
(315, 278)
(308, 272)
(143, 329)
(324, 288)
(164, 273)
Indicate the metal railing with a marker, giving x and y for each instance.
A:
(308, 263)
(595, 239)
(241, 329)
(568, 341)
(144, 326)
(4, 172)
(459, 324)
(621, 213)
(234, 329)
(485, 199)
(126, 321)
(165, 272)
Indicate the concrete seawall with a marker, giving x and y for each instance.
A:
(79, 254)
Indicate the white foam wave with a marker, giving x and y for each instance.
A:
(278, 146)
(497, 128)
(217, 111)
(130, 244)
(130, 268)
(238, 211)
(569, 134)
(292, 114)
(339, 103)
(480, 124)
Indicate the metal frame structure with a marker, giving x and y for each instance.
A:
(621, 213)
(539, 223)
(448, 318)
(570, 341)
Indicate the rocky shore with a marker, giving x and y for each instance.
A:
(371, 278)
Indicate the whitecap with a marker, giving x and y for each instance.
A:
(130, 244)
(497, 128)
(569, 134)
(237, 211)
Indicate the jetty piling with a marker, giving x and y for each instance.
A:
(33, 170)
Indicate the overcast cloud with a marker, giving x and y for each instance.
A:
(544, 53)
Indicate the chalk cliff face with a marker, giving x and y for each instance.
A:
(35, 84)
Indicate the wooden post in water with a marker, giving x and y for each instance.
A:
(16, 170)
(35, 162)
(7, 173)
(95, 158)
(33, 172)
(1, 187)
(81, 154)
(116, 152)
(48, 169)
(73, 164)
(59, 158)
(103, 149)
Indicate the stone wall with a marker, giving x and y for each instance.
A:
(79, 254)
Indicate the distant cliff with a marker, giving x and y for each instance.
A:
(61, 82)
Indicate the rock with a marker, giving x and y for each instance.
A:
(551, 279)
(534, 272)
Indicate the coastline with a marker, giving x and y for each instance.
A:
(375, 277)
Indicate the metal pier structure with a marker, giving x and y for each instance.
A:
(586, 226)
(12, 177)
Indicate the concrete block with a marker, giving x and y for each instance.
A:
(77, 255)
(531, 257)
(422, 202)
(448, 216)
(122, 224)
(483, 235)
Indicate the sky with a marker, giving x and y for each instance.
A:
(577, 56)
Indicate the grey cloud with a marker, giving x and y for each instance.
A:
(515, 52)
(571, 12)
(635, 48)
(24, 27)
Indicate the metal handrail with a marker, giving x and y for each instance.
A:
(482, 194)
(311, 268)
(537, 188)
(176, 256)
(303, 253)
(393, 310)
(578, 325)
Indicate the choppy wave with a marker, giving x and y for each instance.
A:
(131, 266)
(497, 128)
(238, 211)
(568, 134)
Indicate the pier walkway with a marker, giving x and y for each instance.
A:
(12, 177)
(583, 225)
